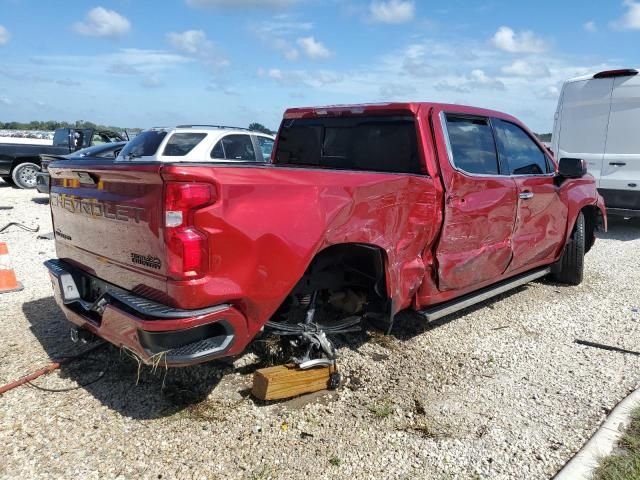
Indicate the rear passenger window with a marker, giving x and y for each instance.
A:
(521, 153)
(235, 147)
(472, 145)
(182, 143)
(379, 144)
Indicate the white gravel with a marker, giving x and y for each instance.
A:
(500, 391)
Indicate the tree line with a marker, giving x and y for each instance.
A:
(53, 124)
(50, 125)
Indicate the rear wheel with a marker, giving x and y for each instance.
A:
(24, 174)
(570, 267)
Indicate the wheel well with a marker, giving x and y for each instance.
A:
(348, 277)
(591, 222)
(344, 265)
(20, 160)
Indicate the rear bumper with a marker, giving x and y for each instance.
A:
(156, 333)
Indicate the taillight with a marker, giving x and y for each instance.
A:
(187, 251)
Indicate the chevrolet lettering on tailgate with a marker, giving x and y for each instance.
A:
(96, 208)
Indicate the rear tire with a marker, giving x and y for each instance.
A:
(24, 174)
(570, 267)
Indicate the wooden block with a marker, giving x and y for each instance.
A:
(286, 381)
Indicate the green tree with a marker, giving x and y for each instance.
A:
(258, 127)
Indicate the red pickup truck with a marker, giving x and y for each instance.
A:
(365, 210)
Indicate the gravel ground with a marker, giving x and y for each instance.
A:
(499, 391)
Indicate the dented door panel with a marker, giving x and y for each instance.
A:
(541, 222)
(479, 215)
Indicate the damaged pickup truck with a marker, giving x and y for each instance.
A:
(365, 211)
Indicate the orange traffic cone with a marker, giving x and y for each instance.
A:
(8, 280)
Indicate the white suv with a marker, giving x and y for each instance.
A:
(199, 143)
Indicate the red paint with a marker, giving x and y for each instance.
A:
(444, 234)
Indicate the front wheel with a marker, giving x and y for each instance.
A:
(24, 174)
(570, 267)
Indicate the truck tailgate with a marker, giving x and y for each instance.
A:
(107, 220)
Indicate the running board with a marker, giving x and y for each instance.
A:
(447, 308)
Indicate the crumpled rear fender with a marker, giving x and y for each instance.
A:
(270, 222)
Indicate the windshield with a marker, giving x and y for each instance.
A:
(144, 145)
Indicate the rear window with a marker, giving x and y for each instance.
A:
(144, 145)
(381, 144)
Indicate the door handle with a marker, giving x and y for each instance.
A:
(526, 195)
(617, 164)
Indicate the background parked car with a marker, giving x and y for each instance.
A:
(190, 143)
(19, 163)
(107, 151)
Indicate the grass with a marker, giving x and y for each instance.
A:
(625, 464)
(381, 409)
(335, 461)
(264, 473)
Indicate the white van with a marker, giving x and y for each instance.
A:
(598, 120)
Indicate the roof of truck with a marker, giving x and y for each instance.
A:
(401, 108)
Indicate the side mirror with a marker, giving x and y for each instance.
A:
(572, 168)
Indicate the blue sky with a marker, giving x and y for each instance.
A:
(145, 63)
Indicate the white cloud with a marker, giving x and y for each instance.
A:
(275, 73)
(133, 61)
(550, 92)
(100, 22)
(152, 81)
(518, 42)
(590, 26)
(5, 100)
(631, 19)
(274, 34)
(392, 11)
(523, 68)
(240, 4)
(218, 87)
(196, 44)
(5, 36)
(313, 49)
(302, 78)
(397, 91)
(477, 80)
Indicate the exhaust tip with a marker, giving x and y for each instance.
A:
(74, 334)
(80, 335)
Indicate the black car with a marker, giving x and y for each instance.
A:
(19, 163)
(107, 151)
